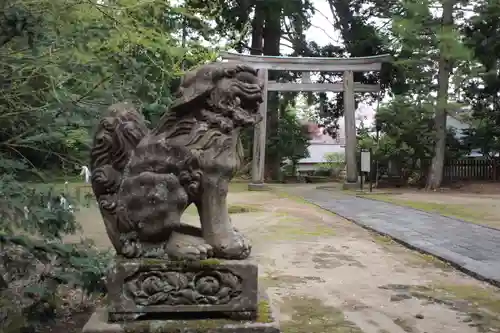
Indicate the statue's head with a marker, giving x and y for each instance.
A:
(230, 89)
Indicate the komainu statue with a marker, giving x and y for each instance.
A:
(144, 180)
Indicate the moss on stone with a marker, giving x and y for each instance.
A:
(210, 262)
(153, 261)
(264, 312)
(181, 263)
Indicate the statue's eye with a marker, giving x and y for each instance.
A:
(246, 77)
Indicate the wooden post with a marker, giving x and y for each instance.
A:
(350, 131)
(306, 77)
(259, 140)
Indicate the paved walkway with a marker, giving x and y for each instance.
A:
(472, 248)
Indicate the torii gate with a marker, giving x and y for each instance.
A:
(306, 65)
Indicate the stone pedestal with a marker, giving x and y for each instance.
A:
(265, 322)
(350, 186)
(152, 295)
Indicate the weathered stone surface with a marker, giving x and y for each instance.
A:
(266, 322)
(160, 286)
(144, 180)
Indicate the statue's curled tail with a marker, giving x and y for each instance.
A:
(117, 135)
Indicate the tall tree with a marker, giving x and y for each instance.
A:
(445, 67)
(483, 91)
(428, 47)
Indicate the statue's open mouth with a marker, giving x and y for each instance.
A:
(248, 96)
(251, 102)
(248, 91)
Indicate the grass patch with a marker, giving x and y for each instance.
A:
(239, 209)
(481, 304)
(78, 191)
(383, 240)
(436, 262)
(452, 210)
(82, 191)
(293, 228)
(238, 187)
(274, 279)
(417, 259)
(73, 185)
(285, 195)
(485, 297)
(311, 315)
(191, 210)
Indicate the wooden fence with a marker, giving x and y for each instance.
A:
(470, 169)
(460, 170)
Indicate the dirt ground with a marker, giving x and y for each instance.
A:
(327, 275)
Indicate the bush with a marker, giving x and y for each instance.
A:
(37, 270)
(334, 165)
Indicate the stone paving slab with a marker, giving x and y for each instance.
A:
(473, 248)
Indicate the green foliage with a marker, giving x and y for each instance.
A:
(34, 261)
(409, 126)
(63, 63)
(33, 273)
(333, 165)
(72, 59)
(291, 140)
(333, 161)
(407, 135)
(485, 137)
(483, 92)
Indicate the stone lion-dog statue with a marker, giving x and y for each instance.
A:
(144, 180)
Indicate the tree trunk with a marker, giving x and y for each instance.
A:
(257, 30)
(272, 39)
(436, 170)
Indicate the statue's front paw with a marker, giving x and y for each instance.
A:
(190, 252)
(233, 246)
(187, 247)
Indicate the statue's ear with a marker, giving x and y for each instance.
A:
(192, 90)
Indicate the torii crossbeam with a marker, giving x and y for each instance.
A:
(306, 65)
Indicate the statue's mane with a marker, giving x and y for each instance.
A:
(211, 130)
(207, 110)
